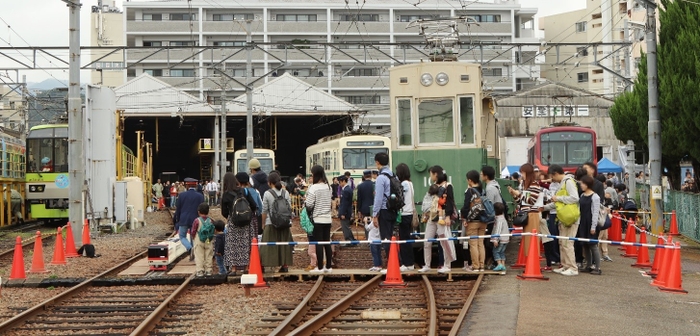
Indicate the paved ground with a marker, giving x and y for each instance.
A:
(621, 302)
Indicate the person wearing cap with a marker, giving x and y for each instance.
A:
(258, 179)
(186, 212)
(375, 175)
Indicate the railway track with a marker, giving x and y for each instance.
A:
(424, 307)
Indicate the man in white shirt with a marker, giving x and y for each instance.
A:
(213, 189)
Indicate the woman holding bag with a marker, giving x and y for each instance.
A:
(530, 199)
(408, 213)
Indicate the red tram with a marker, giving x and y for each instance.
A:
(567, 145)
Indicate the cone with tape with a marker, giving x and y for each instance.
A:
(660, 279)
(520, 263)
(18, 261)
(642, 252)
(393, 272)
(615, 231)
(658, 257)
(38, 257)
(630, 237)
(673, 277)
(255, 266)
(71, 252)
(673, 229)
(532, 269)
(59, 256)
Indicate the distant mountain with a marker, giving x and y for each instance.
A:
(47, 84)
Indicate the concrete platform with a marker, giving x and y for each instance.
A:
(138, 268)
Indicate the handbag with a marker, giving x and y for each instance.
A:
(604, 219)
(567, 214)
(415, 221)
(520, 219)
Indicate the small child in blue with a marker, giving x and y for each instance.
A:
(499, 244)
(375, 248)
(219, 244)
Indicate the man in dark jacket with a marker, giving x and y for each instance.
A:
(345, 209)
(258, 177)
(186, 212)
(365, 194)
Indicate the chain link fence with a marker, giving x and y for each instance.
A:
(686, 205)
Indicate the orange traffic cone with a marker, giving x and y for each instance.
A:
(658, 257)
(630, 237)
(38, 258)
(665, 265)
(71, 252)
(642, 252)
(255, 267)
(393, 273)
(532, 269)
(59, 257)
(615, 231)
(673, 230)
(520, 263)
(86, 233)
(18, 261)
(673, 278)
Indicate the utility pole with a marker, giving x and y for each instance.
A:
(654, 123)
(631, 183)
(249, 90)
(223, 155)
(76, 165)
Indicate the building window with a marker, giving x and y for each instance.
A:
(360, 17)
(409, 18)
(403, 107)
(495, 72)
(297, 17)
(363, 72)
(182, 73)
(152, 43)
(229, 43)
(466, 119)
(182, 17)
(182, 43)
(596, 16)
(582, 77)
(360, 100)
(582, 51)
(597, 71)
(152, 17)
(581, 27)
(596, 25)
(231, 17)
(435, 121)
(156, 72)
(109, 65)
(486, 18)
(519, 84)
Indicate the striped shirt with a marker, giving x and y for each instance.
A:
(318, 197)
(533, 194)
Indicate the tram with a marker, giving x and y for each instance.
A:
(346, 152)
(47, 179)
(12, 156)
(265, 156)
(565, 144)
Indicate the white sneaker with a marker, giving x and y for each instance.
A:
(406, 268)
(316, 271)
(327, 270)
(424, 269)
(375, 269)
(444, 270)
(468, 268)
(383, 271)
(569, 272)
(559, 270)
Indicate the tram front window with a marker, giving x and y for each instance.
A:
(435, 121)
(360, 158)
(265, 165)
(47, 155)
(571, 149)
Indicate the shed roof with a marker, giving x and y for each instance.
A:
(549, 90)
(149, 96)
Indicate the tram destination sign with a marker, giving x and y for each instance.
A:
(365, 143)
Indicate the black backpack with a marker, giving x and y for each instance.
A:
(241, 213)
(395, 202)
(280, 211)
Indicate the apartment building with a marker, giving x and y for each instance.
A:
(12, 107)
(600, 21)
(353, 70)
(107, 29)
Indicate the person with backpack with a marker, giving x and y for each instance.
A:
(435, 227)
(238, 205)
(492, 191)
(408, 214)
(473, 212)
(277, 216)
(203, 239)
(318, 204)
(388, 199)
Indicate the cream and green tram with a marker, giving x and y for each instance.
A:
(341, 153)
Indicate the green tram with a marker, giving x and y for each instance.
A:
(47, 172)
(439, 117)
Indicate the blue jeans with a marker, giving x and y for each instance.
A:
(182, 233)
(220, 264)
(499, 252)
(376, 254)
(173, 201)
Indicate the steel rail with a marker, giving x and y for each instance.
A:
(327, 315)
(154, 318)
(300, 311)
(77, 289)
(432, 307)
(27, 243)
(463, 313)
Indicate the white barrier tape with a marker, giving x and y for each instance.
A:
(642, 212)
(460, 231)
(435, 240)
(640, 230)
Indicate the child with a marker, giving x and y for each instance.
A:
(203, 236)
(442, 199)
(376, 248)
(499, 244)
(219, 243)
(431, 210)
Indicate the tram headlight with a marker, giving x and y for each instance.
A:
(32, 188)
(442, 79)
(426, 79)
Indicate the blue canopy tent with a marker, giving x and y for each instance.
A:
(607, 166)
(509, 170)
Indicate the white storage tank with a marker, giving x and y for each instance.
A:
(134, 187)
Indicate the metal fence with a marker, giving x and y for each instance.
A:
(686, 205)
